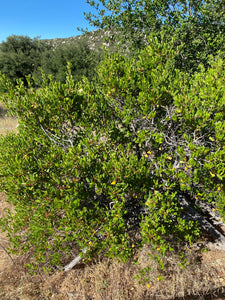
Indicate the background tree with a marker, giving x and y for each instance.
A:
(20, 56)
(83, 60)
(199, 25)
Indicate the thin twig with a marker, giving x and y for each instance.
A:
(7, 253)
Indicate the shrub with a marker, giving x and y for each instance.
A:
(114, 163)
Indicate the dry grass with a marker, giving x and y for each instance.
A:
(112, 280)
(6, 123)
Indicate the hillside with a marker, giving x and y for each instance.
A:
(95, 40)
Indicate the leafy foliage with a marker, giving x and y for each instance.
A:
(83, 61)
(20, 56)
(109, 164)
(198, 25)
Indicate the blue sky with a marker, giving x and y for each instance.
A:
(46, 19)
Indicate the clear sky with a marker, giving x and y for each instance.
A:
(46, 19)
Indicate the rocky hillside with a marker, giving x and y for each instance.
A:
(96, 40)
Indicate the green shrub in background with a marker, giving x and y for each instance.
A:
(114, 163)
(21, 56)
(83, 61)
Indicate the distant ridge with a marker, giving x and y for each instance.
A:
(95, 40)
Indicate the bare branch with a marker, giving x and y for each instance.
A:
(75, 261)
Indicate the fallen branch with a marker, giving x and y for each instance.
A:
(75, 261)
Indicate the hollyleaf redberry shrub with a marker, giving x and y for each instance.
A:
(109, 165)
